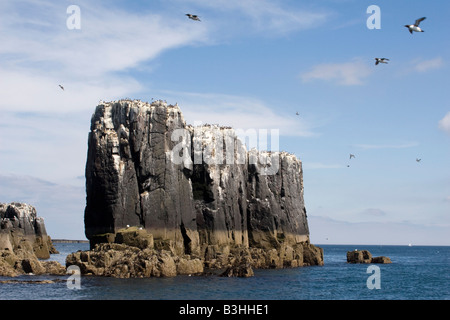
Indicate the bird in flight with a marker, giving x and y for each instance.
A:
(193, 17)
(381, 60)
(297, 113)
(418, 160)
(61, 87)
(352, 155)
(415, 27)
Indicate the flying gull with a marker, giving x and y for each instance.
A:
(352, 155)
(381, 60)
(61, 87)
(418, 160)
(415, 27)
(193, 17)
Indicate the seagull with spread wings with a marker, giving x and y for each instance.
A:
(415, 27)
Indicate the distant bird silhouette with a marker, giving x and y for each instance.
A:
(61, 87)
(418, 160)
(193, 17)
(415, 27)
(297, 113)
(352, 155)
(381, 60)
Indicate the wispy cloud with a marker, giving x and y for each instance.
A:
(427, 65)
(387, 146)
(257, 16)
(239, 112)
(444, 123)
(42, 53)
(374, 212)
(346, 73)
(319, 165)
(60, 205)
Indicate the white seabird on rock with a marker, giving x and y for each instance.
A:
(415, 27)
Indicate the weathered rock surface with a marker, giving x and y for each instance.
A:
(196, 191)
(364, 256)
(24, 241)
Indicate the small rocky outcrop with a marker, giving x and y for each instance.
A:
(364, 256)
(196, 192)
(24, 242)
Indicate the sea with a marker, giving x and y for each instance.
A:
(416, 273)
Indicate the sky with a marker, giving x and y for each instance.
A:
(249, 64)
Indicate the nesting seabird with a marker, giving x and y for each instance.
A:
(415, 27)
(61, 87)
(193, 17)
(381, 60)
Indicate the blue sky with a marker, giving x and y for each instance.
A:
(250, 64)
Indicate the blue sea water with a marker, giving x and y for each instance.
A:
(416, 273)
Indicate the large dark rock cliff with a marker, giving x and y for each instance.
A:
(196, 190)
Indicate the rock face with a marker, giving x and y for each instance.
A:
(23, 241)
(196, 190)
(364, 256)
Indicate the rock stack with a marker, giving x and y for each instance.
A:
(24, 241)
(196, 191)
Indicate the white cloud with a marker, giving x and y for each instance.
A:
(60, 205)
(239, 112)
(374, 212)
(346, 73)
(444, 123)
(319, 165)
(41, 52)
(426, 65)
(258, 16)
(325, 230)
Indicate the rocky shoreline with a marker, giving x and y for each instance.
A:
(24, 243)
(131, 253)
(164, 198)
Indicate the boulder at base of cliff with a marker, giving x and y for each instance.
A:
(124, 261)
